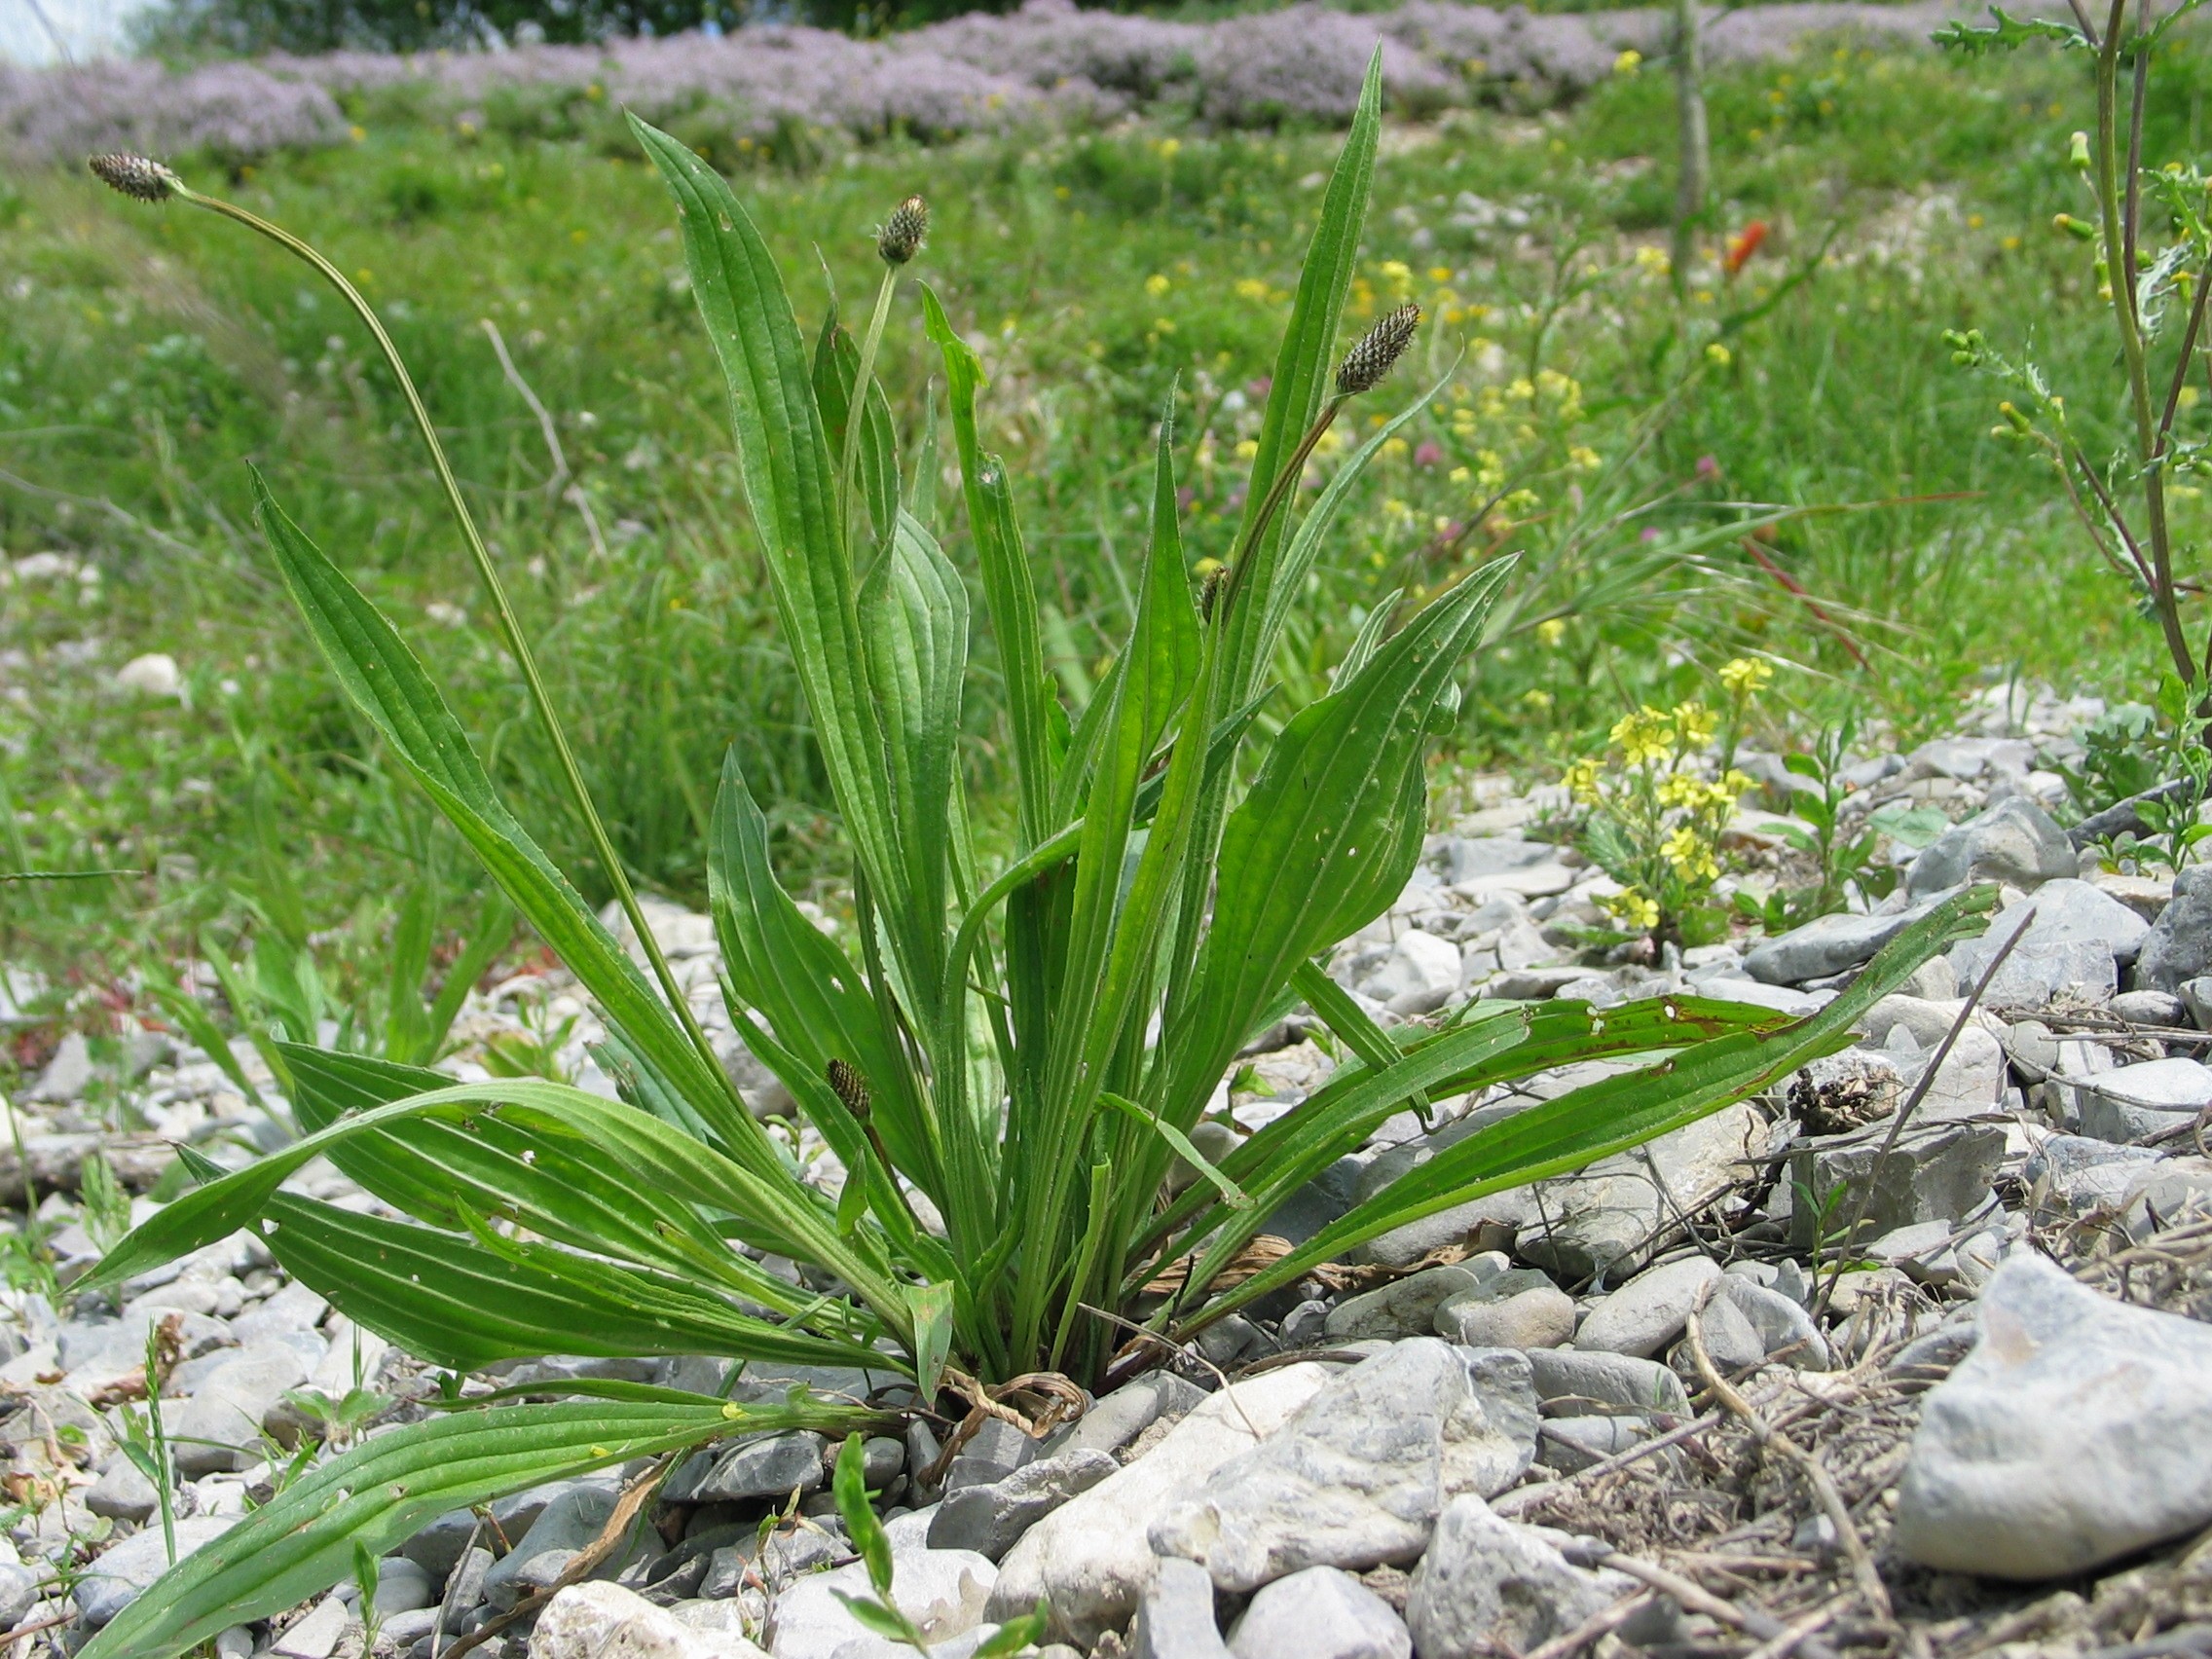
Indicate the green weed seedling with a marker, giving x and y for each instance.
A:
(1009, 1054)
(876, 1610)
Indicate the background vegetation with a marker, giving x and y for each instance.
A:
(1091, 269)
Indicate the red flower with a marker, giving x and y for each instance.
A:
(1741, 250)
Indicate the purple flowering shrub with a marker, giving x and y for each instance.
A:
(232, 110)
(1047, 62)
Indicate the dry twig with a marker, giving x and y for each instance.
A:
(1871, 1586)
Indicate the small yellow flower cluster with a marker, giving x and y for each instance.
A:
(1745, 677)
(1644, 736)
(1637, 911)
(1656, 816)
(1689, 854)
(1694, 794)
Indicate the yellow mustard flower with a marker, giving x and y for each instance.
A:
(1634, 909)
(1628, 62)
(1550, 630)
(1745, 677)
(1646, 735)
(1695, 723)
(1689, 855)
(1581, 780)
(1155, 284)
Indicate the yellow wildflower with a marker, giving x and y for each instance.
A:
(1645, 735)
(1632, 908)
(1686, 851)
(1583, 459)
(1628, 62)
(1581, 780)
(1550, 630)
(1719, 355)
(1155, 284)
(1745, 677)
(1695, 723)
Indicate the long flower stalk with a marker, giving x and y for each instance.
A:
(147, 180)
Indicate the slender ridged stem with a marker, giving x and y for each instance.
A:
(510, 628)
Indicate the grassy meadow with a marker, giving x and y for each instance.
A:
(1639, 455)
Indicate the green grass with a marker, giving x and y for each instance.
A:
(147, 356)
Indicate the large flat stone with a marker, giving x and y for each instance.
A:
(1356, 1479)
(2078, 1431)
(2016, 842)
(1091, 1558)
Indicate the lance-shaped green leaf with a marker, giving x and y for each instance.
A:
(1304, 363)
(836, 361)
(640, 1148)
(1162, 661)
(556, 1185)
(1008, 592)
(914, 610)
(1499, 1044)
(1285, 579)
(812, 995)
(1326, 838)
(791, 484)
(385, 682)
(1620, 1112)
(301, 1541)
(466, 1302)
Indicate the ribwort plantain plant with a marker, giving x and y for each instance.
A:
(1010, 1065)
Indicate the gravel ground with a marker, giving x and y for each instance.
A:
(1617, 1411)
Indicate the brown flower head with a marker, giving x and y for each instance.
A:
(135, 176)
(851, 1087)
(1367, 362)
(903, 233)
